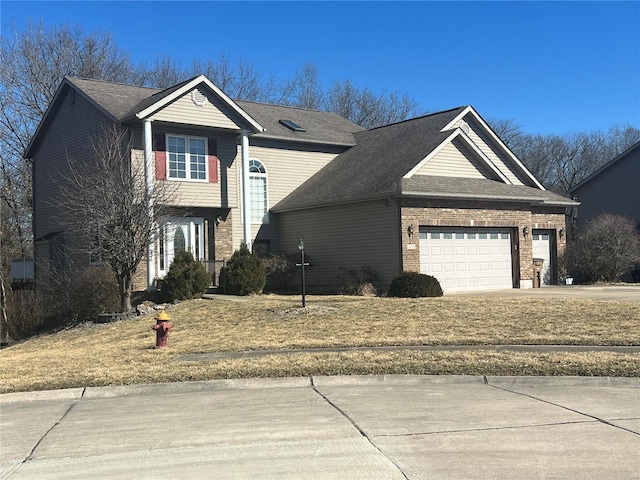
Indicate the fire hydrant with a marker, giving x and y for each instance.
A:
(162, 328)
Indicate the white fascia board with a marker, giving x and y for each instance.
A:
(452, 123)
(470, 110)
(189, 86)
(455, 134)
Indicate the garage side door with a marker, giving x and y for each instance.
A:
(541, 244)
(469, 259)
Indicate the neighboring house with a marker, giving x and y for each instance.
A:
(440, 194)
(611, 189)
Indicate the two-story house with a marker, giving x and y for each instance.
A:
(440, 194)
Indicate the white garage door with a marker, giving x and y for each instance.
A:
(541, 244)
(469, 259)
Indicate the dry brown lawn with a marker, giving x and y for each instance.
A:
(122, 352)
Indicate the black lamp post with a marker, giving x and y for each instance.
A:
(302, 264)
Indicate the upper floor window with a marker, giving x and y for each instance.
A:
(258, 191)
(187, 157)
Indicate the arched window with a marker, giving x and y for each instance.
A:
(179, 241)
(258, 191)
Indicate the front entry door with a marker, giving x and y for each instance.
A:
(179, 234)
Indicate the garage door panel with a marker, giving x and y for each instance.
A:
(467, 259)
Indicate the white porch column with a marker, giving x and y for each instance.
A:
(149, 179)
(246, 198)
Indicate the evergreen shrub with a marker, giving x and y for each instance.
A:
(414, 285)
(244, 274)
(187, 278)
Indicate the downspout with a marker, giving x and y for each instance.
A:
(246, 198)
(148, 170)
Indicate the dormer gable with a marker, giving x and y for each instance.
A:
(196, 102)
(495, 150)
(458, 156)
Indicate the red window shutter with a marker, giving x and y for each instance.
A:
(213, 160)
(161, 157)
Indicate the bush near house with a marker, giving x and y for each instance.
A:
(244, 273)
(608, 248)
(282, 269)
(414, 285)
(361, 282)
(187, 278)
(71, 298)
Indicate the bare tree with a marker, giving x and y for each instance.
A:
(165, 72)
(608, 248)
(34, 62)
(304, 89)
(509, 131)
(560, 162)
(240, 80)
(109, 192)
(366, 108)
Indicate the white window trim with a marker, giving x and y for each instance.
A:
(188, 159)
(264, 175)
(189, 222)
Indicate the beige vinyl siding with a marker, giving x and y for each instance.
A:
(287, 169)
(483, 144)
(207, 194)
(345, 237)
(454, 160)
(185, 111)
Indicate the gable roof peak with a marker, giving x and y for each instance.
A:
(111, 82)
(420, 117)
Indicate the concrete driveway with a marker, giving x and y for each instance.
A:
(373, 427)
(621, 293)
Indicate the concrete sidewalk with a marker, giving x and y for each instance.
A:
(369, 427)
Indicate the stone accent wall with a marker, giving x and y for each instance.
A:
(222, 241)
(515, 216)
(140, 277)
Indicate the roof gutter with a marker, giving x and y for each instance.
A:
(435, 196)
(502, 198)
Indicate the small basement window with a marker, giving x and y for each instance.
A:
(291, 125)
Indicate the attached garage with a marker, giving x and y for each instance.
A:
(467, 259)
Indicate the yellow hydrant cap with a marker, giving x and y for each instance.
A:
(162, 316)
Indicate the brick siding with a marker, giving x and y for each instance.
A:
(515, 216)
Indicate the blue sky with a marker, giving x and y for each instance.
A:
(554, 67)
